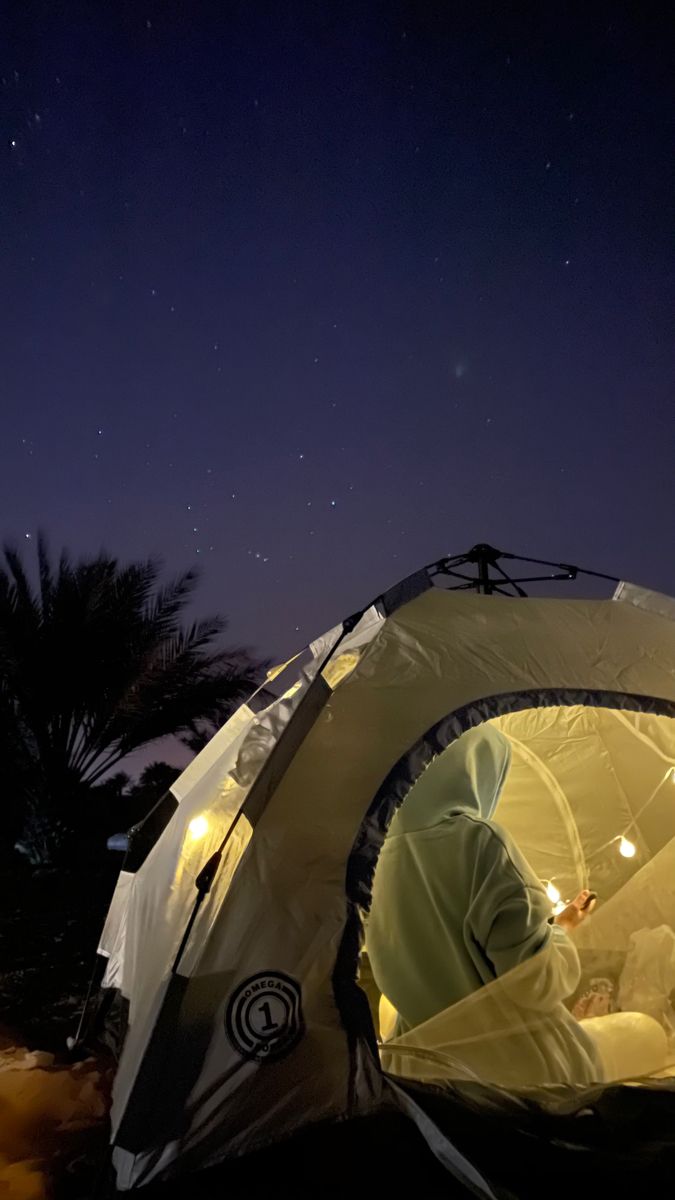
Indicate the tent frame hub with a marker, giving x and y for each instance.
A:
(490, 577)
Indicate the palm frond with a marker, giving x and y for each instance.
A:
(97, 663)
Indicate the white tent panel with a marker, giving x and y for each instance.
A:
(227, 739)
(640, 597)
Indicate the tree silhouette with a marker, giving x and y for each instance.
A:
(94, 663)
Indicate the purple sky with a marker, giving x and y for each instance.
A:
(311, 294)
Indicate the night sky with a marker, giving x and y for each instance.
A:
(311, 294)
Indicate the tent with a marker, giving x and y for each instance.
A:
(235, 935)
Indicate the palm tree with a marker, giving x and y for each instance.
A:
(94, 663)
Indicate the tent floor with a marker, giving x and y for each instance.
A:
(625, 1146)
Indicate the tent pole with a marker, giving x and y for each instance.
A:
(484, 556)
(484, 582)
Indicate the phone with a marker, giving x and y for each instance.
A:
(589, 900)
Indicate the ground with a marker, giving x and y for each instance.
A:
(52, 1126)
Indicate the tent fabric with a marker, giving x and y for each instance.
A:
(262, 1028)
(621, 760)
(236, 753)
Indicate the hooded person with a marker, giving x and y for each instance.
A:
(461, 926)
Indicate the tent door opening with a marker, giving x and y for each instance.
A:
(587, 804)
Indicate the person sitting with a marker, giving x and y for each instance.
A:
(456, 907)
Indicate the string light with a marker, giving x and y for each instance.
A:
(557, 902)
(198, 827)
(627, 848)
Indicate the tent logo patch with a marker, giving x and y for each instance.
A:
(264, 1016)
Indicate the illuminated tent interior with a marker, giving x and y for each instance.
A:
(590, 801)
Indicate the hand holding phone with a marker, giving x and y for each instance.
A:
(576, 912)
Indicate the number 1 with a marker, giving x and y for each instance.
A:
(269, 1023)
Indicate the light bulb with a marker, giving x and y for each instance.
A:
(552, 892)
(626, 848)
(198, 827)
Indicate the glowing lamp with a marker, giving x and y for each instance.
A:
(198, 827)
(626, 848)
(552, 892)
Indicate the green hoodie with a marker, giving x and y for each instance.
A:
(456, 906)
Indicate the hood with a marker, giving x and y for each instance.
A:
(466, 778)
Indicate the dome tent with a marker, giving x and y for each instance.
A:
(235, 929)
